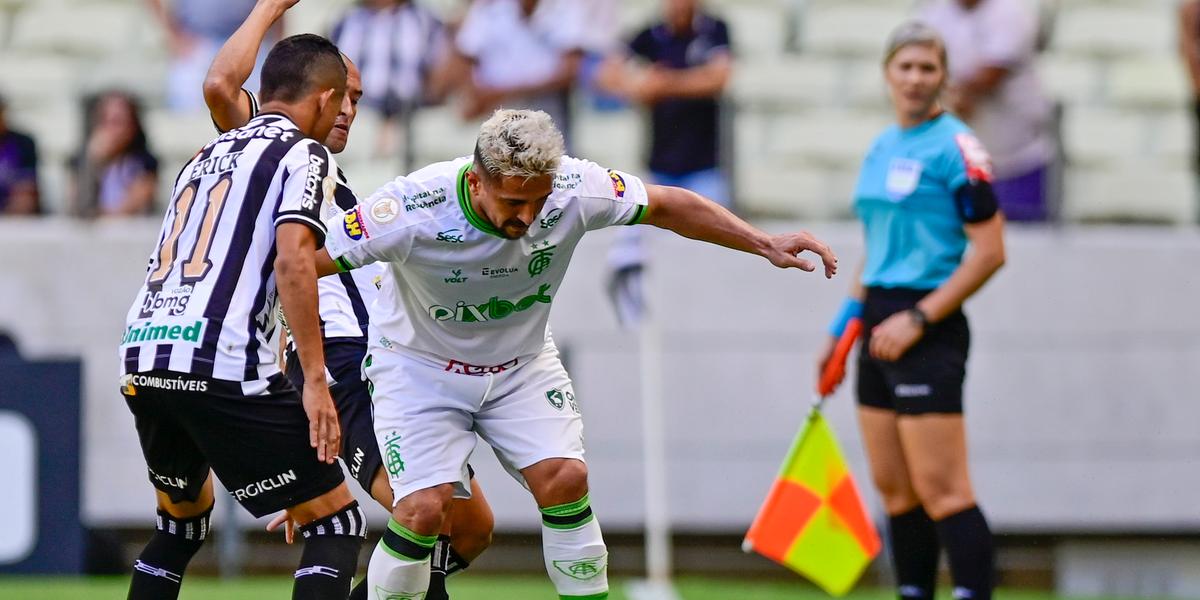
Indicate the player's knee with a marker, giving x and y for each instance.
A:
(424, 511)
(897, 493)
(943, 496)
(561, 481)
(471, 537)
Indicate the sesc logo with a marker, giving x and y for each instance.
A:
(552, 218)
(450, 236)
(492, 310)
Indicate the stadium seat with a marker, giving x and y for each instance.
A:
(440, 134)
(1102, 136)
(1074, 80)
(756, 31)
(777, 189)
(1114, 29)
(1159, 81)
(83, 30)
(176, 137)
(836, 138)
(1138, 193)
(784, 83)
(1174, 136)
(57, 127)
(852, 28)
(147, 82)
(615, 139)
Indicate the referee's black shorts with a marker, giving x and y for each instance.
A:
(257, 445)
(926, 379)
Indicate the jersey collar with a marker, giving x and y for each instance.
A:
(464, 202)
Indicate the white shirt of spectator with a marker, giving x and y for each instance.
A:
(1014, 122)
(455, 293)
(513, 51)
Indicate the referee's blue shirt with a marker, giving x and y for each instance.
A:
(906, 199)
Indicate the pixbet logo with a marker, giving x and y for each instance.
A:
(492, 310)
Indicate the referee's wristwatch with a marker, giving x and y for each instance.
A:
(919, 317)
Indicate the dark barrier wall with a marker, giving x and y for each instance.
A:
(39, 464)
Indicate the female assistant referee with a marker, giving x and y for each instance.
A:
(923, 196)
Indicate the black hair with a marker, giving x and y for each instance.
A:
(298, 65)
(91, 117)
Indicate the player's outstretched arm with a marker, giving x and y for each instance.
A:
(693, 216)
(296, 279)
(229, 104)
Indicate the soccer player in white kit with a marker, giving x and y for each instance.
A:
(476, 248)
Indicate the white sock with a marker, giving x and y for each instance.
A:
(574, 551)
(399, 565)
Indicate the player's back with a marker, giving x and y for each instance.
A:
(207, 304)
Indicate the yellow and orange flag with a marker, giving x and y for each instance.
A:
(813, 520)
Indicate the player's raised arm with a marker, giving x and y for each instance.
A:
(230, 105)
(693, 216)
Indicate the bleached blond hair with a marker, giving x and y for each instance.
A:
(519, 143)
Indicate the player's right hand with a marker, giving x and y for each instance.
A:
(324, 431)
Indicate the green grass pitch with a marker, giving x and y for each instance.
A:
(461, 588)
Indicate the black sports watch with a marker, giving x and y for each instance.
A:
(919, 317)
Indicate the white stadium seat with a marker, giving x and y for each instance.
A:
(29, 80)
(756, 31)
(784, 82)
(1112, 29)
(849, 28)
(440, 134)
(83, 30)
(176, 137)
(1138, 192)
(787, 191)
(1101, 136)
(1156, 82)
(614, 139)
(835, 138)
(1075, 80)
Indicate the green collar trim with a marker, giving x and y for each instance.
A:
(464, 202)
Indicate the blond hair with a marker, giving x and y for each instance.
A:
(915, 33)
(519, 143)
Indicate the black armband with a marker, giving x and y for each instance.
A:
(976, 201)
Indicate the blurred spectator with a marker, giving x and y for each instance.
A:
(523, 54)
(685, 66)
(195, 31)
(995, 88)
(400, 47)
(18, 170)
(1189, 48)
(113, 174)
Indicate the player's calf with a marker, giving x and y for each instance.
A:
(330, 557)
(572, 546)
(401, 561)
(158, 571)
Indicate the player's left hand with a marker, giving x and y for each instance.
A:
(324, 431)
(784, 249)
(894, 336)
(285, 519)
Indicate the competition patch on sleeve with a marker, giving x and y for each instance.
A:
(618, 183)
(976, 157)
(354, 226)
(385, 210)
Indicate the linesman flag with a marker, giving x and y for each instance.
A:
(813, 520)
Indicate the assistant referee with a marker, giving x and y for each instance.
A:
(924, 195)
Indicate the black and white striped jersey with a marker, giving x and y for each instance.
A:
(344, 298)
(207, 306)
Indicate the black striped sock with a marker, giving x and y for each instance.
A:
(158, 571)
(330, 558)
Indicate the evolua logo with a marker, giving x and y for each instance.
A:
(492, 310)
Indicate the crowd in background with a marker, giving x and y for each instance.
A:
(553, 55)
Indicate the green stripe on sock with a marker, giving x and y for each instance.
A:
(589, 519)
(600, 596)
(425, 541)
(566, 510)
(398, 555)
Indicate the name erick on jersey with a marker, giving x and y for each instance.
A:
(207, 306)
(455, 288)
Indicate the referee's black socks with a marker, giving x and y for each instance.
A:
(331, 546)
(969, 546)
(914, 553)
(158, 571)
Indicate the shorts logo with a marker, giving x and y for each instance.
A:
(552, 218)
(618, 183)
(541, 259)
(582, 569)
(264, 486)
(132, 382)
(353, 224)
(450, 236)
(391, 455)
(356, 464)
(906, 390)
(174, 482)
(560, 398)
(385, 210)
(463, 368)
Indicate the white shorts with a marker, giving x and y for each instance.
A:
(427, 412)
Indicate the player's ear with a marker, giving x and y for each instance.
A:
(326, 98)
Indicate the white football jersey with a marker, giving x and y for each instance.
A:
(455, 288)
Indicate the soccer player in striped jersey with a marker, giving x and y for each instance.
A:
(476, 249)
(344, 302)
(199, 375)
